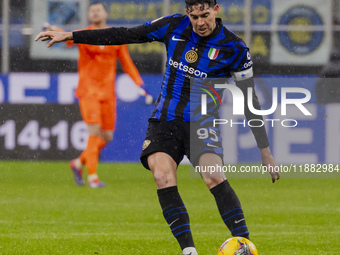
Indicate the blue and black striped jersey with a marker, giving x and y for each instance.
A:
(189, 56)
(220, 55)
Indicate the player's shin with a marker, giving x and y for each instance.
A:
(90, 155)
(230, 209)
(176, 215)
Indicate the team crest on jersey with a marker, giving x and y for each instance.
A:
(213, 53)
(146, 144)
(191, 56)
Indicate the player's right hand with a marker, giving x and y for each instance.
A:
(54, 37)
(269, 162)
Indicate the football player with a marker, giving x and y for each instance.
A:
(96, 93)
(198, 46)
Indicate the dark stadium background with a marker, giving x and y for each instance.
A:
(20, 60)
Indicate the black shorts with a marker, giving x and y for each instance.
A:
(178, 138)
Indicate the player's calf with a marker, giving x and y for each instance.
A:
(163, 168)
(230, 209)
(177, 217)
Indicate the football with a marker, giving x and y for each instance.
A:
(237, 246)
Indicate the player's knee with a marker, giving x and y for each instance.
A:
(107, 138)
(164, 179)
(94, 130)
(163, 168)
(212, 182)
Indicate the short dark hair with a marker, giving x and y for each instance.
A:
(191, 3)
(99, 2)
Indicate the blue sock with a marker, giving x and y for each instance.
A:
(176, 215)
(230, 209)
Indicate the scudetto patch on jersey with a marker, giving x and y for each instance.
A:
(191, 56)
(146, 144)
(243, 75)
(213, 53)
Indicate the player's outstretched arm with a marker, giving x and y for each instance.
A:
(150, 31)
(54, 37)
(269, 162)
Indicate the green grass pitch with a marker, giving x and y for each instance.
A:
(43, 212)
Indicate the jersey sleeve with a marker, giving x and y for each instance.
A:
(259, 132)
(128, 65)
(242, 66)
(148, 32)
(242, 72)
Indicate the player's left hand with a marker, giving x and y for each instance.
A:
(269, 162)
(148, 99)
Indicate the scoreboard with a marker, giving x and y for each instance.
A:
(41, 132)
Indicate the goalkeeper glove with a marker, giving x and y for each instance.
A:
(143, 92)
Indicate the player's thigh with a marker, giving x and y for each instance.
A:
(163, 168)
(90, 110)
(162, 162)
(108, 114)
(205, 152)
(203, 139)
(94, 130)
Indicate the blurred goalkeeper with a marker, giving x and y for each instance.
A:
(198, 46)
(96, 93)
